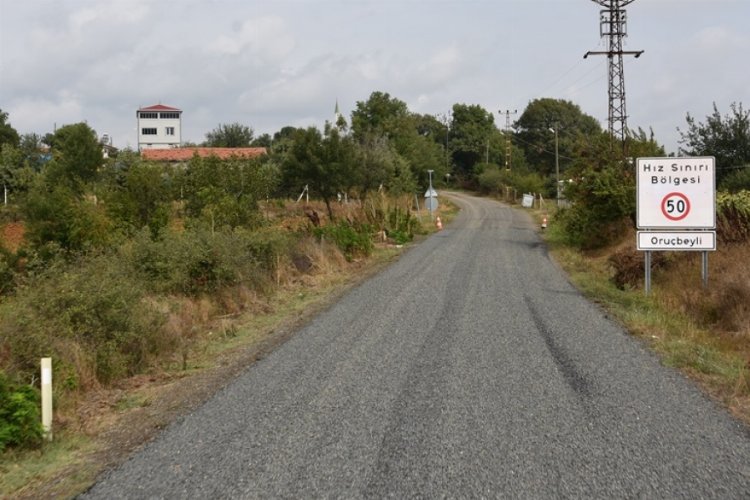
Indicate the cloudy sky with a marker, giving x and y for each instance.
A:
(267, 64)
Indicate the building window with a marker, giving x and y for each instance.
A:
(170, 130)
(144, 114)
(148, 131)
(173, 116)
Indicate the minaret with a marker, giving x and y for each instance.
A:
(339, 122)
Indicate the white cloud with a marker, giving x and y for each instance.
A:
(444, 64)
(718, 38)
(265, 37)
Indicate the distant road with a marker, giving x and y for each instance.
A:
(470, 368)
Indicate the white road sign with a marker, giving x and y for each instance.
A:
(677, 240)
(676, 193)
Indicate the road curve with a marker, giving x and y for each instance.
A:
(469, 368)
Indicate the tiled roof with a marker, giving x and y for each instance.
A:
(159, 107)
(184, 154)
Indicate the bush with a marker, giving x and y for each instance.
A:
(629, 267)
(20, 422)
(401, 225)
(738, 180)
(733, 217)
(352, 239)
(7, 273)
(90, 316)
(603, 208)
(200, 261)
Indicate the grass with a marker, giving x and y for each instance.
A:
(59, 465)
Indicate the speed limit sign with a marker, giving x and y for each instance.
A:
(675, 206)
(676, 193)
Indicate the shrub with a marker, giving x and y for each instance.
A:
(20, 423)
(89, 316)
(737, 180)
(200, 261)
(628, 265)
(7, 274)
(603, 208)
(733, 217)
(401, 225)
(352, 239)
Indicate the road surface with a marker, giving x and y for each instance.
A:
(469, 368)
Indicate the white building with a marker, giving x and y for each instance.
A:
(159, 127)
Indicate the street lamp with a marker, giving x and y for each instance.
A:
(557, 164)
(429, 193)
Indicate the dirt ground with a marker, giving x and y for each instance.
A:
(12, 236)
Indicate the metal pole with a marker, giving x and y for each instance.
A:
(648, 272)
(557, 167)
(429, 205)
(704, 270)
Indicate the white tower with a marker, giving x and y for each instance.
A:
(159, 127)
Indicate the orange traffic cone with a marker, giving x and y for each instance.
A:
(438, 224)
(544, 223)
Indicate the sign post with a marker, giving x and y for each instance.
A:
(676, 207)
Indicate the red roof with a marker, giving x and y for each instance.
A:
(184, 154)
(159, 107)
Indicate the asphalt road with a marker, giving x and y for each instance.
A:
(470, 368)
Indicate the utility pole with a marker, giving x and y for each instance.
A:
(446, 120)
(557, 161)
(613, 26)
(507, 136)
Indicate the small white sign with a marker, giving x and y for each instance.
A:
(677, 240)
(676, 193)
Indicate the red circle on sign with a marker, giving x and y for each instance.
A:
(679, 209)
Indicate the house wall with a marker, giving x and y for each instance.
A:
(161, 139)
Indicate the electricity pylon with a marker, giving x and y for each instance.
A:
(613, 26)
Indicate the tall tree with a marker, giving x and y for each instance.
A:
(8, 135)
(233, 135)
(76, 156)
(538, 142)
(384, 117)
(324, 164)
(471, 130)
(727, 138)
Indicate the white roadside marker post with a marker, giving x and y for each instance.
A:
(47, 397)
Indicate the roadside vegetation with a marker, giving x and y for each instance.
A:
(134, 275)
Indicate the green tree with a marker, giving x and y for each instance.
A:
(76, 156)
(727, 138)
(262, 141)
(472, 128)
(324, 164)
(8, 135)
(55, 214)
(233, 135)
(538, 142)
(602, 190)
(141, 198)
(383, 117)
(225, 192)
